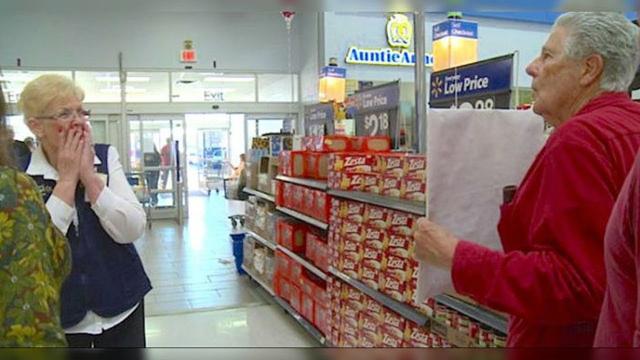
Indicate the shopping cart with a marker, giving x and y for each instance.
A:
(139, 185)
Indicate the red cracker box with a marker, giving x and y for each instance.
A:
(312, 237)
(307, 285)
(297, 164)
(377, 144)
(402, 223)
(280, 193)
(401, 246)
(352, 294)
(368, 339)
(393, 323)
(283, 264)
(352, 231)
(291, 234)
(287, 194)
(389, 340)
(370, 277)
(322, 206)
(331, 143)
(369, 323)
(377, 217)
(416, 167)
(309, 201)
(350, 266)
(322, 256)
(373, 258)
(373, 309)
(352, 163)
(333, 180)
(348, 341)
(285, 288)
(397, 267)
(322, 319)
(394, 287)
(284, 163)
(414, 190)
(351, 182)
(391, 165)
(296, 273)
(352, 211)
(335, 337)
(298, 193)
(320, 293)
(348, 327)
(375, 238)
(316, 165)
(417, 336)
(352, 247)
(295, 298)
(351, 311)
(391, 186)
(308, 308)
(371, 183)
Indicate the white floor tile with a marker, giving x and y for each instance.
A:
(260, 326)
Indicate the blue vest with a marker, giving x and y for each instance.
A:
(106, 277)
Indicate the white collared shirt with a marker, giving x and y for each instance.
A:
(120, 213)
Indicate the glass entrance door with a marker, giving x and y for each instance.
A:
(157, 155)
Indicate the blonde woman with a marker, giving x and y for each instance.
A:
(90, 200)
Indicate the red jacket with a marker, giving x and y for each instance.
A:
(550, 277)
(619, 324)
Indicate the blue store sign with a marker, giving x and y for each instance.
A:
(488, 79)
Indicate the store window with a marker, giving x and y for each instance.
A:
(277, 87)
(13, 81)
(213, 87)
(101, 87)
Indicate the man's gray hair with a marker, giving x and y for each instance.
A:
(609, 34)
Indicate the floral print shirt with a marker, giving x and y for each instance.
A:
(34, 261)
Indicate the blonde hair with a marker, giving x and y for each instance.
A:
(43, 91)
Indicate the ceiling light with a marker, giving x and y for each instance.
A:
(113, 78)
(229, 79)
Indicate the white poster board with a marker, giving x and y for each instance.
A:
(471, 156)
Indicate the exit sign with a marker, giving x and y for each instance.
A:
(188, 56)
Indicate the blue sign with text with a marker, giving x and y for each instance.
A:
(484, 77)
(459, 28)
(334, 72)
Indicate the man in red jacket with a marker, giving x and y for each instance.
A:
(550, 278)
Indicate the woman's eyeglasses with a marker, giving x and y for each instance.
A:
(68, 114)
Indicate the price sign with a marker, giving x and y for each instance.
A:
(482, 85)
(318, 119)
(376, 110)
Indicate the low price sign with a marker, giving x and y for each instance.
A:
(318, 119)
(482, 85)
(376, 110)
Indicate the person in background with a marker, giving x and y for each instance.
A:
(90, 200)
(165, 160)
(34, 258)
(152, 158)
(238, 170)
(20, 149)
(550, 278)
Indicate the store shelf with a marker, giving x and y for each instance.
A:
(302, 321)
(259, 194)
(401, 308)
(258, 280)
(270, 244)
(303, 217)
(384, 201)
(316, 184)
(478, 314)
(309, 266)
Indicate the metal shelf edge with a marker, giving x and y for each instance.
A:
(478, 314)
(258, 280)
(301, 320)
(304, 262)
(259, 194)
(316, 184)
(388, 202)
(303, 217)
(403, 309)
(270, 244)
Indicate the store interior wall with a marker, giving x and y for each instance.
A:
(62, 36)
(310, 62)
(495, 37)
